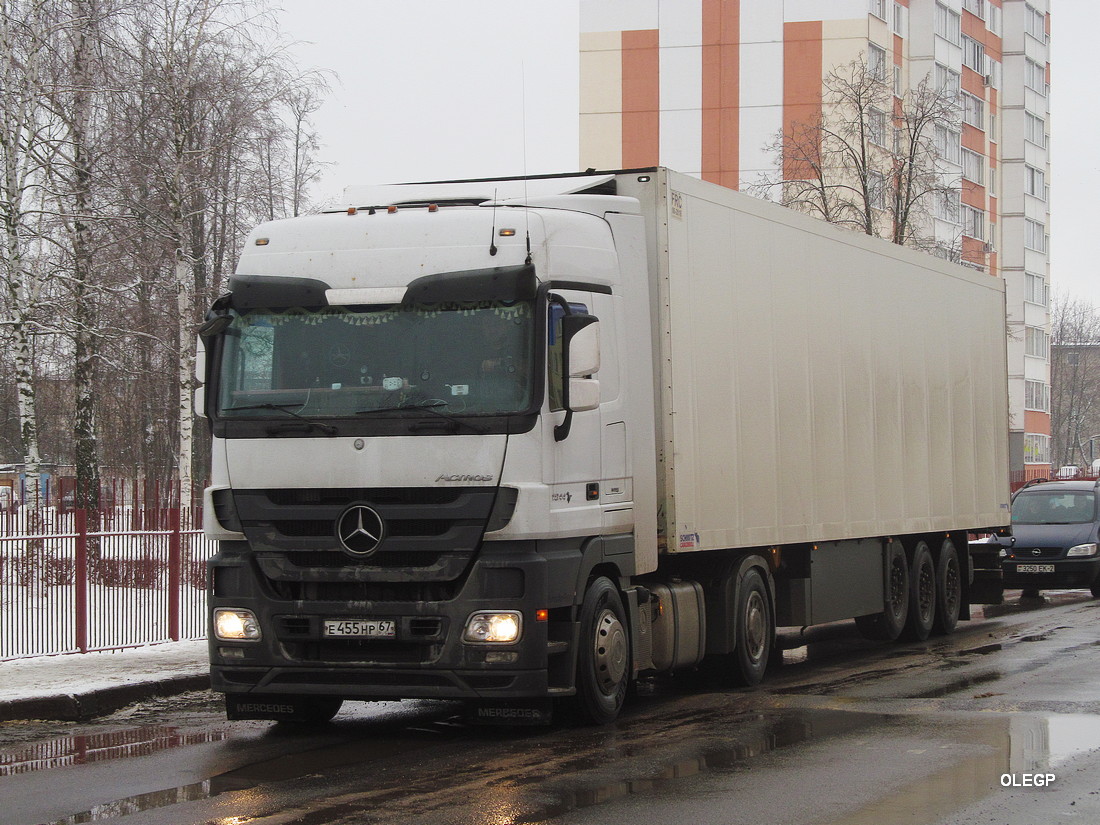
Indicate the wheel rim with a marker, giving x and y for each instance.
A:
(756, 626)
(926, 590)
(609, 651)
(897, 586)
(952, 588)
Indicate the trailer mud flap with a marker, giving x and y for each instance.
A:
(512, 713)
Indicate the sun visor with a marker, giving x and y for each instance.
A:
(505, 283)
(256, 291)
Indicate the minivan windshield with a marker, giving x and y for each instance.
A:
(1054, 507)
(470, 358)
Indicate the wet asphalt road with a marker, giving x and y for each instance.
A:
(846, 731)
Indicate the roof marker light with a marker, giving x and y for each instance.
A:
(263, 241)
(433, 207)
(352, 210)
(392, 210)
(507, 233)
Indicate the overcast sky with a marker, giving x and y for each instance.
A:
(431, 89)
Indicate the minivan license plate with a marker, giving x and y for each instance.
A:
(1034, 568)
(362, 628)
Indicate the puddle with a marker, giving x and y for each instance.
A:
(99, 747)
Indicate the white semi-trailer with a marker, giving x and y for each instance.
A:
(516, 441)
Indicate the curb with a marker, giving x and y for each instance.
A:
(81, 707)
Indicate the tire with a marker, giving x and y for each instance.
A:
(603, 661)
(922, 594)
(889, 624)
(754, 633)
(949, 591)
(1094, 588)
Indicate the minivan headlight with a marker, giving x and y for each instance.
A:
(1081, 550)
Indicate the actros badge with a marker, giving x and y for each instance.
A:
(360, 530)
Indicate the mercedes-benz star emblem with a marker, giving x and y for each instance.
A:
(360, 530)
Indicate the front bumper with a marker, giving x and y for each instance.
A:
(1067, 573)
(426, 658)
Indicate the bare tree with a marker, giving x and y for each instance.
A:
(869, 159)
(1075, 381)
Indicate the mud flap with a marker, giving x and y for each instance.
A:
(511, 713)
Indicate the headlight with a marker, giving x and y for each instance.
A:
(1081, 550)
(231, 625)
(489, 626)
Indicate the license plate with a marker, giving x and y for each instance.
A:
(1034, 568)
(362, 628)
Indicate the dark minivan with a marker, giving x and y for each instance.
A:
(1055, 537)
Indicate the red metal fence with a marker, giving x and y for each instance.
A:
(76, 581)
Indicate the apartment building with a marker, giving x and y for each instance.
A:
(706, 86)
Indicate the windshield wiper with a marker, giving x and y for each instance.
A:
(427, 406)
(327, 429)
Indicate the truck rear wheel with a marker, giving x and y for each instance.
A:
(889, 624)
(603, 662)
(922, 594)
(948, 588)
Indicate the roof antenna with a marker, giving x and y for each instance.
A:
(526, 203)
(493, 235)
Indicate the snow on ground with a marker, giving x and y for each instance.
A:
(43, 676)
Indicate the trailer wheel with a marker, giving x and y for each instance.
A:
(922, 594)
(755, 631)
(948, 589)
(889, 624)
(603, 662)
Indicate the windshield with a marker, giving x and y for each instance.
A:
(469, 359)
(1054, 507)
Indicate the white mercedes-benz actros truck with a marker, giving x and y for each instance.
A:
(519, 442)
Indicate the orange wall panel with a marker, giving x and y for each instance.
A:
(721, 91)
(802, 71)
(641, 98)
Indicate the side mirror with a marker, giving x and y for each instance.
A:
(580, 358)
(581, 337)
(200, 377)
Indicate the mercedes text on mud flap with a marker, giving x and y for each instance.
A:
(517, 442)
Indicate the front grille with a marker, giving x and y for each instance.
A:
(433, 532)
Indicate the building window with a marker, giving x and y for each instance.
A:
(898, 92)
(948, 24)
(973, 221)
(1035, 76)
(1035, 23)
(973, 110)
(1035, 182)
(1036, 130)
(1036, 342)
(1036, 396)
(878, 8)
(876, 127)
(899, 19)
(948, 144)
(973, 54)
(975, 7)
(948, 81)
(876, 190)
(1035, 235)
(1036, 449)
(946, 205)
(876, 61)
(973, 166)
(1037, 290)
(994, 19)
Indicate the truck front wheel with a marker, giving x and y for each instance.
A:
(603, 662)
(755, 631)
